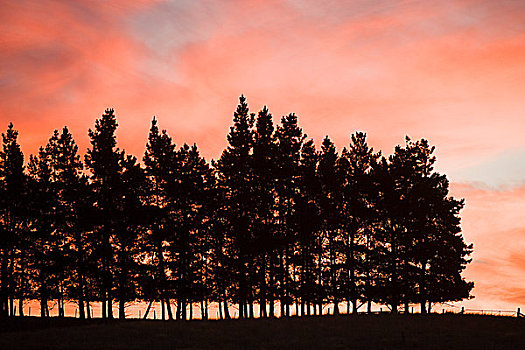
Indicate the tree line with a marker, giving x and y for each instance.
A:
(273, 222)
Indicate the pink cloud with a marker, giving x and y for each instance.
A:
(493, 220)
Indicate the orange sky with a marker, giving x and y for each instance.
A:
(451, 71)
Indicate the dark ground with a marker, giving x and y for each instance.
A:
(342, 332)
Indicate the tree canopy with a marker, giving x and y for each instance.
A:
(274, 221)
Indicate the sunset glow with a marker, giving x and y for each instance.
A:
(451, 72)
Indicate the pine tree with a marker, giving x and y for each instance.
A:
(221, 246)
(133, 220)
(307, 220)
(187, 196)
(13, 217)
(56, 177)
(358, 160)
(437, 248)
(42, 204)
(160, 162)
(235, 167)
(103, 160)
(386, 250)
(67, 186)
(331, 179)
(265, 166)
(289, 139)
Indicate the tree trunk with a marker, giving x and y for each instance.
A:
(21, 306)
(368, 273)
(145, 317)
(307, 305)
(262, 299)
(61, 301)
(88, 309)
(11, 306)
(121, 309)
(168, 307)
(394, 287)
(422, 294)
(226, 310)
(81, 309)
(351, 268)
(241, 309)
(184, 308)
(287, 289)
(220, 310)
(271, 287)
(104, 307)
(82, 314)
(43, 303)
(110, 302)
(394, 306)
(3, 287)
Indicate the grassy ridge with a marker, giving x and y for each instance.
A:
(342, 332)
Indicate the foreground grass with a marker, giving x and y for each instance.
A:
(341, 332)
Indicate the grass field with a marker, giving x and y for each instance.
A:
(342, 332)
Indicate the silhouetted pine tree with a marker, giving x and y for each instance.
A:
(159, 159)
(187, 249)
(386, 286)
(221, 246)
(289, 139)
(331, 179)
(307, 220)
(359, 216)
(41, 207)
(68, 240)
(442, 280)
(132, 222)
(13, 220)
(235, 167)
(56, 182)
(203, 182)
(433, 224)
(103, 161)
(264, 167)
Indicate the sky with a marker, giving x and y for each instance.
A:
(451, 71)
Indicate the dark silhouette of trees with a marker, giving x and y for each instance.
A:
(307, 221)
(42, 224)
(180, 183)
(289, 139)
(132, 220)
(188, 248)
(103, 160)
(272, 220)
(265, 169)
(59, 192)
(13, 218)
(330, 200)
(235, 167)
(159, 160)
(359, 216)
